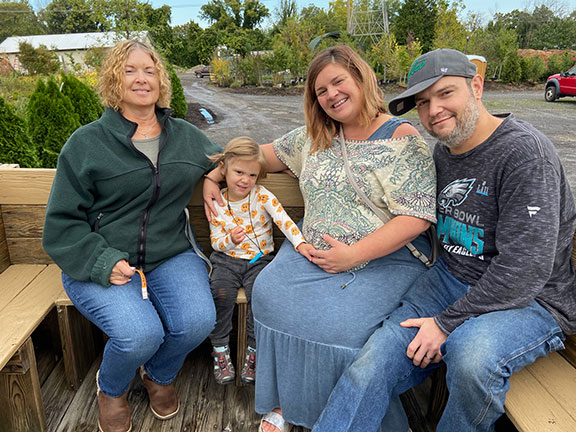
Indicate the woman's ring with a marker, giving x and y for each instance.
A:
(429, 358)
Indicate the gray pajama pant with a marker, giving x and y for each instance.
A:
(228, 275)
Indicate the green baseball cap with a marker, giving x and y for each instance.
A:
(426, 71)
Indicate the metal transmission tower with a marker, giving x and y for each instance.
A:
(367, 25)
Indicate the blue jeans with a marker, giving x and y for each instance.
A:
(481, 355)
(158, 332)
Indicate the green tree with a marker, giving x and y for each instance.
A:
(51, 120)
(38, 61)
(512, 68)
(123, 16)
(242, 41)
(416, 19)
(84, 100)
(521, 22)
(291, 48)
(247, 14)
(557, 33)
(157, 22)
(178, 101)
(554, 65)
(287, 9)
(185, 45)
(248, 70)
(71, 16)
(393, 59)
(449, 32)
(15, 145)
(17, 18)
(567, 60)
(207, 42)
(494, 43)
(533, 69)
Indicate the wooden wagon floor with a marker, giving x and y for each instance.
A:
(205, 405)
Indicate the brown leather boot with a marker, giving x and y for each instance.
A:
(113, 413)
(163, 398)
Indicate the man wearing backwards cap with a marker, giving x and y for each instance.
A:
(503, 292)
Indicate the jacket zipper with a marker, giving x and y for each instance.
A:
(145, 219)
(142, 232)
(96, 224)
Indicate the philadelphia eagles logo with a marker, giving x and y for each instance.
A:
(455, 193)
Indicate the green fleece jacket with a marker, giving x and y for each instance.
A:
(108, 201)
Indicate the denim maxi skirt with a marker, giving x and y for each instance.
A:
(310, 325)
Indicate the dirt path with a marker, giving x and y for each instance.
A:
(266, 117)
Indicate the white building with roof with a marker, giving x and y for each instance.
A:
(70, 48)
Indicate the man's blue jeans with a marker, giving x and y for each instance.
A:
(158, 332)
(481, 355)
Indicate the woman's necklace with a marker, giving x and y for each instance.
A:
(254, 242)
(145, 134)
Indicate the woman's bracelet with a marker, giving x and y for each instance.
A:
(212, 180)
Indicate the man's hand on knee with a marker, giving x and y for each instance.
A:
(425, 347)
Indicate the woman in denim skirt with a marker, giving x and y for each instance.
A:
(313, 316)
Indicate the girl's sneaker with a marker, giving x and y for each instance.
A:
(223, 368)
(248, 374)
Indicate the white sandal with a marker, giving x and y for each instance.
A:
(275, 419)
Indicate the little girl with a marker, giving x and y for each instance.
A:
(241, 237)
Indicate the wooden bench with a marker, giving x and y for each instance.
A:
(30, 288)
(542, 396)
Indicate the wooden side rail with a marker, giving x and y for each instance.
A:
(27, 293)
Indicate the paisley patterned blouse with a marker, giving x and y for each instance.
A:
(397, 173)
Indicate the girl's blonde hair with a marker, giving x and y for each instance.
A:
(320, 127)
(243, 148)
(111, 83)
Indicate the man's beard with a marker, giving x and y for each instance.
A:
(465, 126)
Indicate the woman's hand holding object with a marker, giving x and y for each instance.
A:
(340, 257)
(121, 273)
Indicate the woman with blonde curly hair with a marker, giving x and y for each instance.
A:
(311, 317)
(116, 225)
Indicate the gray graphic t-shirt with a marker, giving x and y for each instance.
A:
(505, 223)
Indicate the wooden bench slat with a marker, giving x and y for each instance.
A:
(532, 404)
(26, 311)
(559, 378)
(28, 251)
(25, 221)
(282, 185)
(15, 279)
(26, 186)
(32, 186)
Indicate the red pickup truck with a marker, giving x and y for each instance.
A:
(561, 84)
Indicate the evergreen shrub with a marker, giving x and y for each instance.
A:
(51, 120)
(512, 68)
(85, 101)
(15, 144)
(554, 65)
(533, 69)
(178, 102)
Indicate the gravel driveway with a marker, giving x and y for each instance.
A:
(265, 117)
